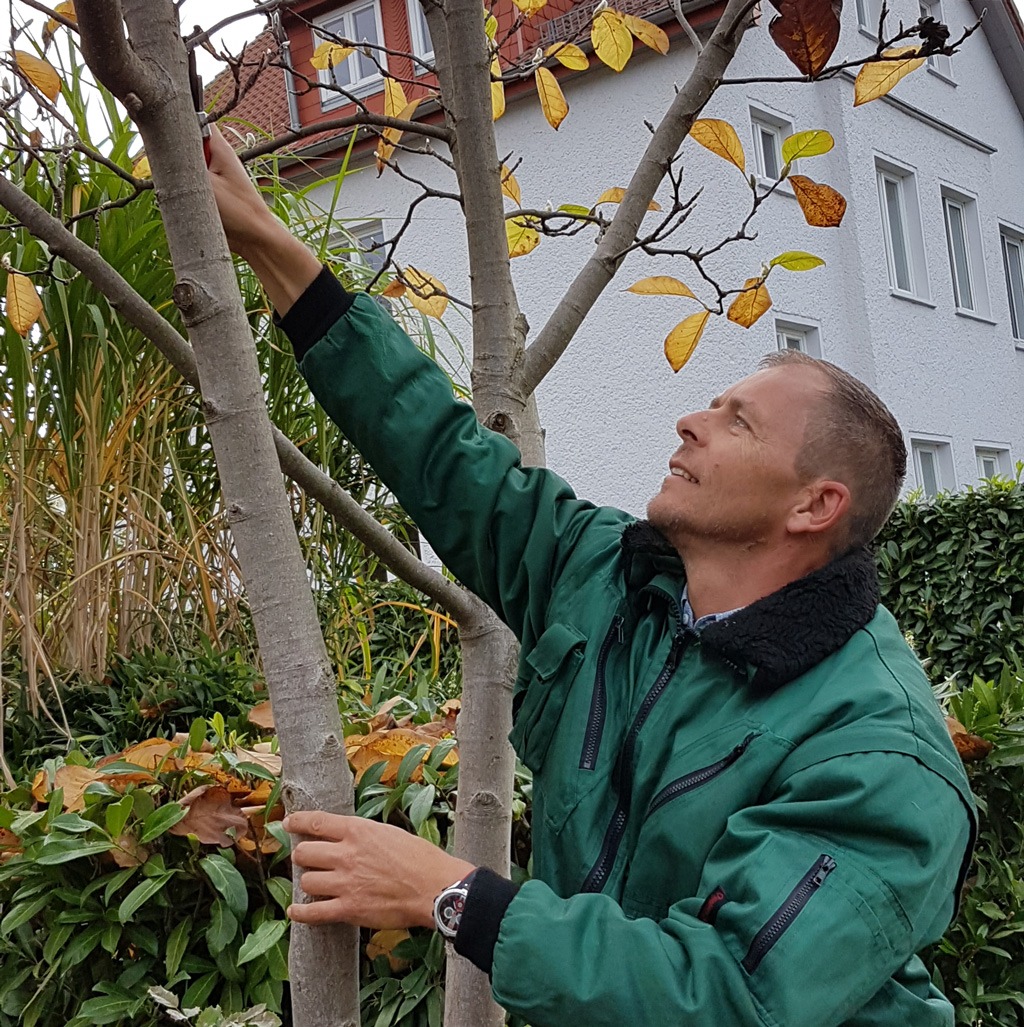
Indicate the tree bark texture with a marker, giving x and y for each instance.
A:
(150, 78)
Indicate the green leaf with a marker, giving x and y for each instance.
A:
(421, 806)
(139, 895)
(280, 891)
(811, 143)
(106, 1009)
(576, 210)
(22, 913)
(223, 927)
(161, 820)
(56, 939)
(796, 260)
(410, 761)
(197, 734)
(81, 945)
(177, 942)
(117, 814)
(73, 824)
(225, 877)
(65, 852)
(266, 935)
(255, 770)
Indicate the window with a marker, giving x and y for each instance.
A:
(803, 338)
(937, 62)
(933, 465)
(966, 262)
(769, 130)
(901, 226)
(1013, 267)
(370, 240)
(868, 13)
(422, 46)
(993, 460)
(358, 73)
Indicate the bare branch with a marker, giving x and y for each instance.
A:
(137, 312)
(684, 24)
(199, 37)
(61, 19)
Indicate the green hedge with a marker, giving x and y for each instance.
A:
(953, 575)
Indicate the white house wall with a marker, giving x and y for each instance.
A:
(610, 405)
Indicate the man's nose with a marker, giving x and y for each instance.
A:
(690, 427)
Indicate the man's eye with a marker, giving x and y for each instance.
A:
(741, 422)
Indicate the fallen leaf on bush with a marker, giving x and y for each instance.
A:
(150, 755)
(259, 795)
(181, 738)
(10, 844)
(151, 711)
(270, 761)
(128, 852)
(364, 751)
(211, 814)
(74, 781)
(383, 943)
(262, 715)
(969, 747)
(383, 718)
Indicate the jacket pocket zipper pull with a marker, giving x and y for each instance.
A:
(828, 864)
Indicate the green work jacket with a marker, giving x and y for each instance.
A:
(758, 823)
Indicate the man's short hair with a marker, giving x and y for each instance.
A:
(851, 437)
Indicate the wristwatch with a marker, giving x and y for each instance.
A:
(450, 905)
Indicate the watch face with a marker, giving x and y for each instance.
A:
(448, 913)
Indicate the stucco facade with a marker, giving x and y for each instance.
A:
(955, 380)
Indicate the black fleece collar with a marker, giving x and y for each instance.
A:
(788, 632)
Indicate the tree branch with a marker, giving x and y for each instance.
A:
(599, 270)
(137, 312)
(105, 47)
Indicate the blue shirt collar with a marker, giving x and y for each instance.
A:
(698, 624)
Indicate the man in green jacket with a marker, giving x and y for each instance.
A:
(747, 810)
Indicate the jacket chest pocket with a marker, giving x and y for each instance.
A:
(686, 812)
(550, 670)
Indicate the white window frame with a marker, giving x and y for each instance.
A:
(808, 336)
(996, 454)
(779, 128)
(960, 205)
(1014, 282)
(904, 181)
(941, 453)
(868, 13)
(339, 23)
(418, 30)
(938, 63)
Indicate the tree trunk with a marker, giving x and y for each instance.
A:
(150, 77)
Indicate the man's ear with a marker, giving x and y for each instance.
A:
(823, 505)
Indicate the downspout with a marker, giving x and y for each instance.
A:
(289, 72)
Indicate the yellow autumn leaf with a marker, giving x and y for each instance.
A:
(522, 239)
(141, 168)
(796, 260)
(552, 102)
(612, 41)
(66, 10)
(750, 304)
(615, 195)
(394, 289)
(390, 136)
(647, 32)
(497, 91)
(569, 55)
(394, 98)
(661, 285)
(811, 143)
(40, 73)
(329, 55)
(878, 78)
(720, 138)
(425, 292)
(23, 303)
(530, 7)
(683, 339)
(510, 187)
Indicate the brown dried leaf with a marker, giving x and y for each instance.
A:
(211, 814)
(969, 747)
(262, 715)
(383, 718)
(128, 852)
(394, 289)
(822, 205)
(267, 760)
(750, 304)
(807, 32)
(10, 844)
(152, 754)
(879, 77)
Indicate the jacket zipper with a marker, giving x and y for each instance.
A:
(787, 912)
(623, 774)
(698, 777)
(598, 701)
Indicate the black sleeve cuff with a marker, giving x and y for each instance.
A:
(488, 898)
(314, 312)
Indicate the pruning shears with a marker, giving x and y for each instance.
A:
(196, 85)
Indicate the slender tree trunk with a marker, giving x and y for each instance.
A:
(150, 77)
